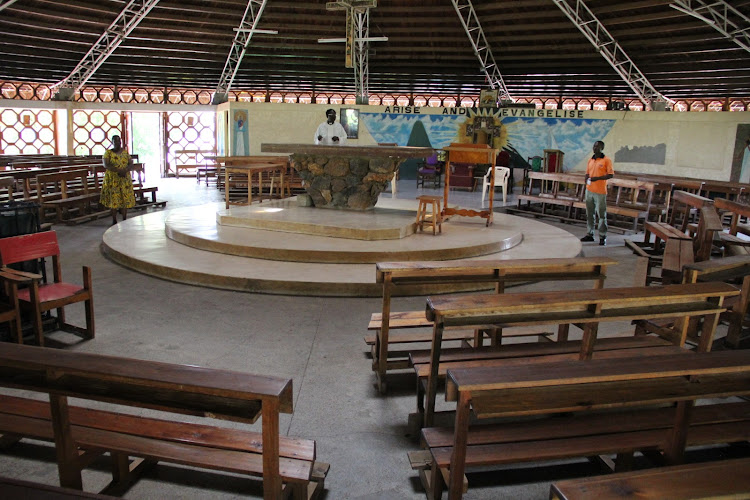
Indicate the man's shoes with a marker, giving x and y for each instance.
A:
(602, 242)
(588, 237)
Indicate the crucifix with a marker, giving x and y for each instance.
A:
(357, 39)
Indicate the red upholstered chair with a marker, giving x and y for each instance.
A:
(462, 175)
(42, 297)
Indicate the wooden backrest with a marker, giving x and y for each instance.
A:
(514, 270)
(148, 384)
(600, 383)
(28, 247)
(586, 305)
(62, 178)
(631, 191)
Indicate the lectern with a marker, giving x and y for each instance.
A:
(468, 153)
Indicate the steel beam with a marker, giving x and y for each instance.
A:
(130, 16)
(721, 16)
(612, 52)
(242, 38)
(6, 4)
(473, 28)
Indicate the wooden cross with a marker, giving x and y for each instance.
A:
(351, 6)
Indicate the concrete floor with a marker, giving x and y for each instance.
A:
(316, 341)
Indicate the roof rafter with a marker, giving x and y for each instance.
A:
(473, 28)
(242, 38)
(126, 21)
(610, 49)
(717, 15)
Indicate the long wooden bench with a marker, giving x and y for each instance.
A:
(74, 199)
(420, 278)
(81, 434)
(585, 309)
(686, 238)
(697, 481)
(627, 198)
(627, 388)
(732, 243)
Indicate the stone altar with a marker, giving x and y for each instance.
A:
(346, 177)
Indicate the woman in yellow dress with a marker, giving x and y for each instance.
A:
(117, 187)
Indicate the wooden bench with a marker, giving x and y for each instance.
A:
(585, 309)
(708, 480)
(82, 434)
(71, 196)
(731, 242)
(16, 488)
(420, 278)
(191, 159)
(685, 242)
(554, 189)
(672, 382)
(629, 198)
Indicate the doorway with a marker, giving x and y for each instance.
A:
(147, 141)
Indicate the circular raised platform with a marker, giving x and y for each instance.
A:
(141, 243)
(306, 234)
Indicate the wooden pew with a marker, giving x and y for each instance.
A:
(420, 278)
(730, 269)
(585, 309)
(631, 385)
(699, 481)
(685, 242)
(16, 488)
(630, 198)
(731, 242)
(70, 194)
(81, 434)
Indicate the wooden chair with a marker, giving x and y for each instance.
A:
(9, 310)
(42, 297)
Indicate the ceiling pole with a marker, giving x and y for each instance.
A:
(242, 38)
(130, 16)
(717, 14)
(361, 56)
(607, 46)
(357, 42)
(6, 4)
(470, 22)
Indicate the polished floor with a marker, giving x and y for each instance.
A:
(316, 341)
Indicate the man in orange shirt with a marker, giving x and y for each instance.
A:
(598, 170)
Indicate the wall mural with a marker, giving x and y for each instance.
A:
(522, 137)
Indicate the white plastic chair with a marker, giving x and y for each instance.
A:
(501, 179)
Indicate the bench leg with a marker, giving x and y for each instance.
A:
(65, 446)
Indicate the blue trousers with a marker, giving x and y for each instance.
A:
(596, 204)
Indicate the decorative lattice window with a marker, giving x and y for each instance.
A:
(569, 104)
(189, 131)
(402, 100)
(420, 100)
(716, 106)
(93, 131)
(584, 104)
(737, 106)
(27, 131)
(468, 102)
(697, 106)
(635, 105)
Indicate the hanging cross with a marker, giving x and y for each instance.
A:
(351, 7)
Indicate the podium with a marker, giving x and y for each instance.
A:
(553, 160)
(468, 153)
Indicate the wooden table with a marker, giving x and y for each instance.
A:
(250, 170)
